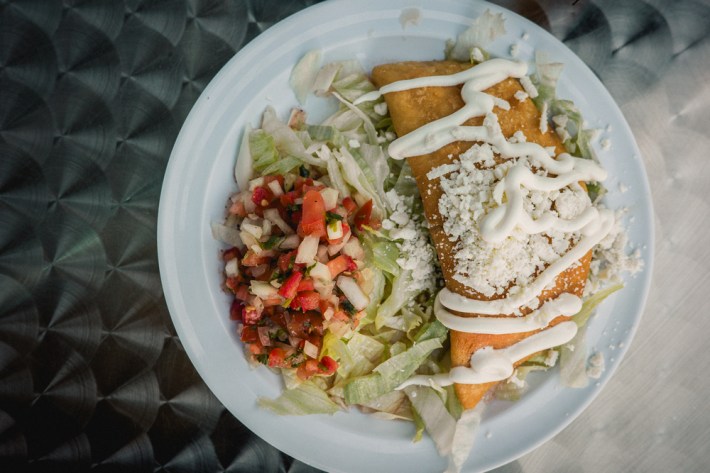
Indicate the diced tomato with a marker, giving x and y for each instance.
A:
(363, 215)
(307, 369)
(277, 316)
(295, 220)
(250, 315)
(272, 301)
(349, 205)
(237, 208)
(252, 259)
(323, 367)
(305, 285)
(230, 254)
(313, 219)
(236, 309)
(302, 181)
(290, 286)
(242, 292)
(232, 284)
(277, 357)
(286, 260)
(308, 300)
(256, 348)
(341, 315)
(341, 263)
(288, 198)
(261, 196)
(304, 324)
(250, 334)
(327, 366)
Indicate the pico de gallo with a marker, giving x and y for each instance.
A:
(298, 271)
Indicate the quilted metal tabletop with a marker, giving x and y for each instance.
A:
(92, 96)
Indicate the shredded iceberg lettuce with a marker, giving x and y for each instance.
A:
(390, 374)
(477, 37)
(304, 399)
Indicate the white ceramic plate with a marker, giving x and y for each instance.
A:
(199, 176)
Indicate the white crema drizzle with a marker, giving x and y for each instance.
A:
(487, 364)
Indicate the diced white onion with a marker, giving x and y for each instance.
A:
(275, 188)
(307, 250)
(248, 239)
(265, 228)
(335, 230)
(263, 289)
(320, 272)
(324, 288)
(254, 183)
(231, 269)
(290, 242)
(249, 204)
(264, 336)
(330, 197)
(258, 271)
(328, 314)
(351, 290)
(353, 249)
(227, 234)
(272, 215)
(310, 349)
(255, 230)
(322, 255)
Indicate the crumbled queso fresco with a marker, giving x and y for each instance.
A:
(410, 235)
(469, 187)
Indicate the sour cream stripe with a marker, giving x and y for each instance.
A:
(566, 304)
(490, 365)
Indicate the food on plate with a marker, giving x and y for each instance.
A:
(432, 242)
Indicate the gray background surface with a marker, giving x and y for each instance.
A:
(92, 375)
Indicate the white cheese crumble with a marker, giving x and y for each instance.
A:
(520, 95)
(410, 235)
(596, 365)
(527, 84)
(469, 193)
(543, 118)
(611, 258)
(551, 358)
(381, 108)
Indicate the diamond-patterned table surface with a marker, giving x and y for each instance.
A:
(92, 96)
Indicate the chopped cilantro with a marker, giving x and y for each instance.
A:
(330, 216)
(272, 242)
(262, 358)
(347, 307)
(279, 335)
